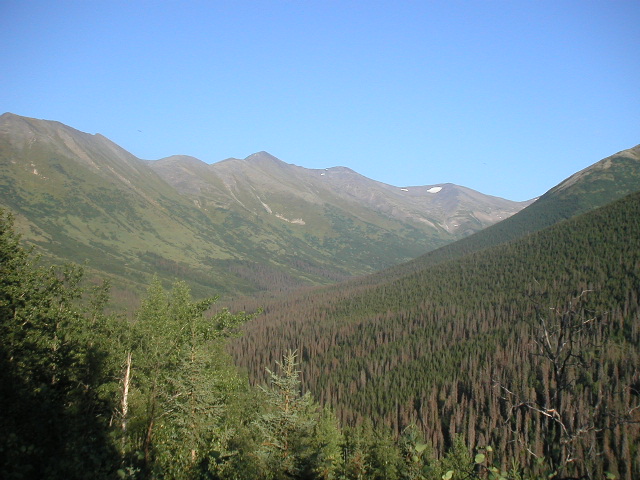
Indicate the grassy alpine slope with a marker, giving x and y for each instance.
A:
(238, 226)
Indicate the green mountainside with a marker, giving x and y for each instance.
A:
(431, 344)
(237, 226)
(79, 197)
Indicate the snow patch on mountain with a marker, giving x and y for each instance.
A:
(297, 221)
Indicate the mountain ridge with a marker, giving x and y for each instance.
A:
(235, 226)
(448, 200)
(592, 187)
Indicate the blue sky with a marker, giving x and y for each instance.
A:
(505, 97)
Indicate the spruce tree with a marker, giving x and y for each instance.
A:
(287, 426)
(53, 370)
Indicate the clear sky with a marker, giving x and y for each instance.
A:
(505, 97)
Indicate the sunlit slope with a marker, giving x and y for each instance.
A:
(79, 197)
(235, 227)
(335, 211)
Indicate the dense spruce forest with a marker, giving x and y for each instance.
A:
(499, 347)
(519, 361)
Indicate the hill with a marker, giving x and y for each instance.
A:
(595, 186)
(237, 226)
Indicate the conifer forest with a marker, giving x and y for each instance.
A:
(517, 361)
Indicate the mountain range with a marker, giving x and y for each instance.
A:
(238, 226)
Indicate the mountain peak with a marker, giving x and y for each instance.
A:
(262, 156)
(342, 170)
(181, 160)
(31, 126)
(315, 225)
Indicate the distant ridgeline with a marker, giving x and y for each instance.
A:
(239, 226)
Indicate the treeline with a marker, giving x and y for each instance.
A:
(452, 348)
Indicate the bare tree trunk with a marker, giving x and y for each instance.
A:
(126, 382)
(147, 444)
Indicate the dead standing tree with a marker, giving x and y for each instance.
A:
(571, 400)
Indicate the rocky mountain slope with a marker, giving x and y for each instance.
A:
(237, 226)
(262, 183)
(593, 187)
